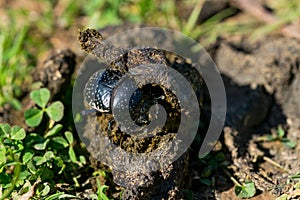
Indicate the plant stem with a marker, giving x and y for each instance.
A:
(193, 18)
(231, 177)
(269, 160)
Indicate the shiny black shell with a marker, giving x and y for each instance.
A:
(99, 89)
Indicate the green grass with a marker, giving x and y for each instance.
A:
(14, 64)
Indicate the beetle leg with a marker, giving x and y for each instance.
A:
(89, 111)
(109, 126)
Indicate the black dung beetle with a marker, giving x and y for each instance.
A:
(98, 94)
(99, 89)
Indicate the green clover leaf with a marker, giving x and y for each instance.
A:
(2, 154)
(4, 130)
(33, 117)
(59, 142)
(42, 145)
(39, 160)
(17, 133)
(280, 132)
(54, 130)
(247, 190)
(69, 137)
(40, 97)
(27, 156)
(55, 111)
(72, 154)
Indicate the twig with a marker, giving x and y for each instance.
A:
(269, 160)
(255, 9)
(231, 177)
(30, 192)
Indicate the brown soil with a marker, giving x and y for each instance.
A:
(269, 72)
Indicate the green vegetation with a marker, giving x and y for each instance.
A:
(15, 64)
(246, 190)
(279, 136)
(212, 163)
(49, 157)
(101, 191)
(34, 116)
(294, 193)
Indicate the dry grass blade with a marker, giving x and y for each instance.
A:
(30, 192)
(254, 8)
